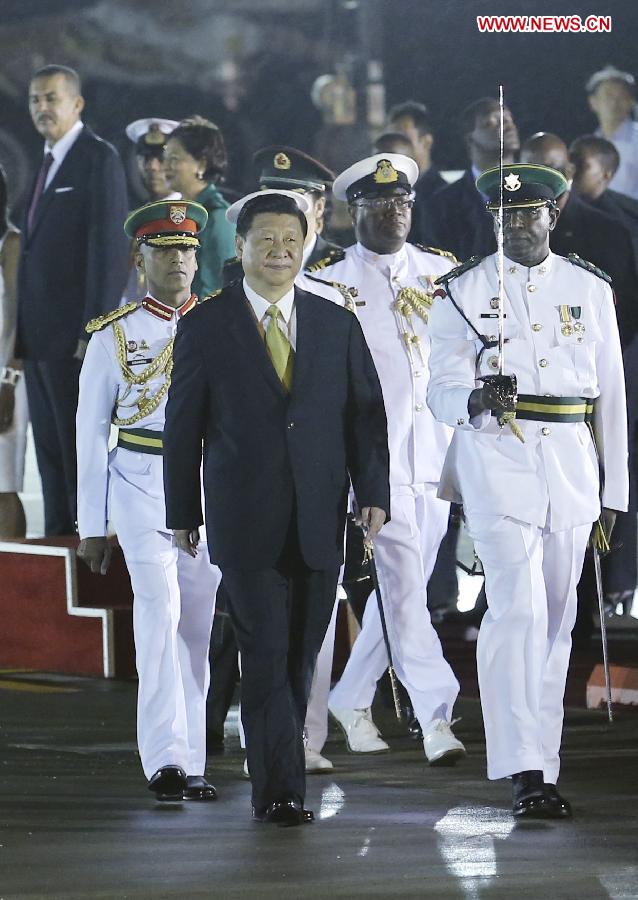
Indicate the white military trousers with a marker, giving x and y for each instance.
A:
(405, 554)
(173, 607)
(524, 642)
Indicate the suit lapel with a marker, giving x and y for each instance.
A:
(244, 331)
(308, 334)
(57, 180)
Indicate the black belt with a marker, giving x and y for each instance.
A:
(141, 440)
(554, 409)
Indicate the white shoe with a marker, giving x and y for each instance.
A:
(440, 745)
(246, 772)
(315, 762)
(361, 734)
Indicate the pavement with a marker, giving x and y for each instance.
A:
(77, 822)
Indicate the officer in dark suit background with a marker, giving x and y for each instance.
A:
(456, 216)
(73, 266)
(280, 386)
(283, 168)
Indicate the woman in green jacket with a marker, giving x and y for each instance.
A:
(196, 160)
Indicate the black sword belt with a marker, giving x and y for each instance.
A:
(141, 440)
(554, 409)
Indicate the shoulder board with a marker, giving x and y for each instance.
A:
(208, 296)
(576, 260)
(347, 293)
(101, 322)
(232, 261)
(437, 252)
(334, 256)
(454, 273)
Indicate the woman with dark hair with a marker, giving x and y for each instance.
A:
(196, 160)
(13, 399)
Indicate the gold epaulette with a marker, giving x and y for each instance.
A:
(438, 252)
(101, 322)
(334, 256)
(347, 293)
(577, 260)
(209, 296)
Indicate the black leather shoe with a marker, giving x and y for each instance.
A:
(528, 795)
(557, 806)
(168, 783)
(197, 788)
(285, 813)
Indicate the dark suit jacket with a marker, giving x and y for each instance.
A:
(607, 243)
(622, 208)
(73, 264)
(456, 219)
(267, 453)
(427, 185)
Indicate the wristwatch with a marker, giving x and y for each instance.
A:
(10, 376)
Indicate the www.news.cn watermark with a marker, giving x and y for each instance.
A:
(545, 24)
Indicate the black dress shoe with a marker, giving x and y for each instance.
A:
(528, 795)
(285, 813)
(168, 783)
(197, 788)
(557, 806)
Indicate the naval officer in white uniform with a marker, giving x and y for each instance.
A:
(529, 489)
(394, 284)
(124, 381)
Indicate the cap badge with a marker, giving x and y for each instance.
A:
(177, 214)
(512, 182)
(281, 161)
(154, 135)
(385, 173)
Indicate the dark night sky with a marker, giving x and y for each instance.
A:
(438, 56)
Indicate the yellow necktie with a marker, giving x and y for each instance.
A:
(279, 347)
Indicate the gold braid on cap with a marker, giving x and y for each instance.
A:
(161, 365)
(171, 240)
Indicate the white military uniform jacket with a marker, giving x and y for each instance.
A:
(392, 303)
(105, 393)
(561, 340)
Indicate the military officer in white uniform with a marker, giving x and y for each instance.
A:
(529, 488)
(394, 283)
(124, 382)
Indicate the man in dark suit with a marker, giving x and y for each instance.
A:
(412, 120)
(279, 386)
(457, 219)
(73, 267)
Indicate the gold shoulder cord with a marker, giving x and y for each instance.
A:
(410, 300)
(161, 365)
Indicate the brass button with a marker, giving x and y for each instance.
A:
(542, 363)
(536, 326)
(460, 421)
(542, 270)
(291, 424)
(531, 288)
(512, 270)
(419, 407)
(545, 431)
(417, 374)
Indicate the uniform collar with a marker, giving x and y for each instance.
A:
(523, 273)
(165, 313)
(384, 261)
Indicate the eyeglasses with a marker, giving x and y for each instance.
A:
(404, 202)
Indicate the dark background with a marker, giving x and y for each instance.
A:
(168, 62)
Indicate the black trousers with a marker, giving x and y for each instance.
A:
(52, 392)
(280, 616)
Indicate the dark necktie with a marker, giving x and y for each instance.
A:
(39, 189)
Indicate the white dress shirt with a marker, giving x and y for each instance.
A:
(286, 305)
(60, 149)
